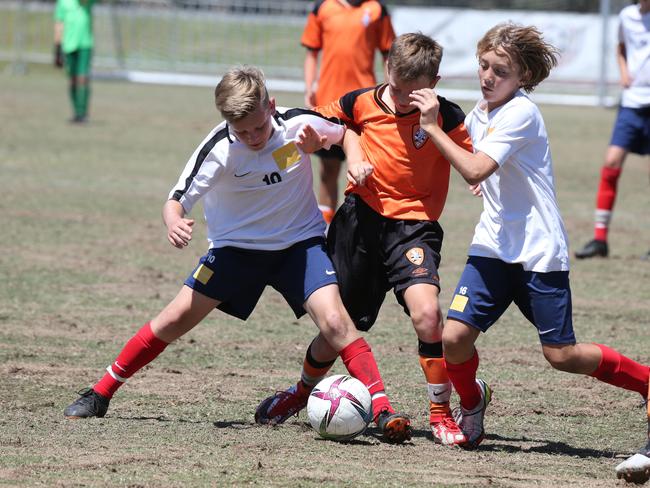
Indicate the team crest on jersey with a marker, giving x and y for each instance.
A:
(415, 255)
(366, 18)
(419, 136)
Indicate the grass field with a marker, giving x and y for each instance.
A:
(85, 262)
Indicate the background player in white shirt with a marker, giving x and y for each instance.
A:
(254, 174)
(632, 127)
(519, 251)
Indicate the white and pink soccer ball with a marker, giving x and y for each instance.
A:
(339, 407)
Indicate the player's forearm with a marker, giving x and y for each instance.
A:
(310, 70)
(58, 32)
(352, 147)
(172, 211)
(474, 168)
(621, 60)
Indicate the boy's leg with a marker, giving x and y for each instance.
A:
(181, 315)
(422, 302)
(601, 362)
(71, 70)
(83, 83)
(462, 360)
(625, 135)
(327, 311)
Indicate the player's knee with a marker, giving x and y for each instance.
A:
(561, 359)
(334, 324)
(456, 340)
(427, 318)
(170, 324)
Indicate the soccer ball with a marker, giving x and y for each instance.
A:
(339, 407)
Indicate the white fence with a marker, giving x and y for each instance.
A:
(163, 42)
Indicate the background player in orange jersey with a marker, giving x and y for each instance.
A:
(386, 235)
(346, 34)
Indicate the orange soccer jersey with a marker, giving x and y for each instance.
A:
(348, 37)
(410, 178)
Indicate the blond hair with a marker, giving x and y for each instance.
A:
(526, 47)
(240, 92)
(414, 55)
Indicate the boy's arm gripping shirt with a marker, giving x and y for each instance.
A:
(257, 199)
(410, 177)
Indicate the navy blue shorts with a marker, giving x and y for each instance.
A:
(488, 286)
(632, 130)
(237, 277)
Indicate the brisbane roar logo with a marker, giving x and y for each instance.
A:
(419, 136)
(415, 255)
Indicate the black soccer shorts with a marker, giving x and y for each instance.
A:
(372, 254)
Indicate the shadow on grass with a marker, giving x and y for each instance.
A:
(506, 444)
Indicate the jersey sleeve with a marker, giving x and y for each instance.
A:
(200, 174)
(514, 131)
(333, 109)
(334, 131)
(312, 35)
(58, 11)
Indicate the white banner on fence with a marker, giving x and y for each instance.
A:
(577, 36)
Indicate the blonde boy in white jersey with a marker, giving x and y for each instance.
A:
(519, 252)
(254, 174)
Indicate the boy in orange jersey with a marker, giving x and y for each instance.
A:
(386, 234)
(346, 35)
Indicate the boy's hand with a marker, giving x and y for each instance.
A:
(58, 55)
(309, 140)
(476, 190)
(310, 99)
(358, 172)
(179, 232)
(426, 101)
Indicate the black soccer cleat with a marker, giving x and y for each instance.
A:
(395, 427)
(593, 248)
(89, 404)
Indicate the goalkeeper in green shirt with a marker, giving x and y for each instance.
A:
(73, 40)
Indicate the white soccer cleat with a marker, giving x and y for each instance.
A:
(447, 432)
(636, 469)
(471, 421)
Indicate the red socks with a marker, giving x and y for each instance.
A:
(605, 201)
(360, 362)
(621, 371)
(463, 377)
(139, 351)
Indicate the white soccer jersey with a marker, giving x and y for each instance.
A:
(256, 199)
(634, 32)
(521, 221)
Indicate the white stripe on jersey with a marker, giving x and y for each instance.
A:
(256, 199)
